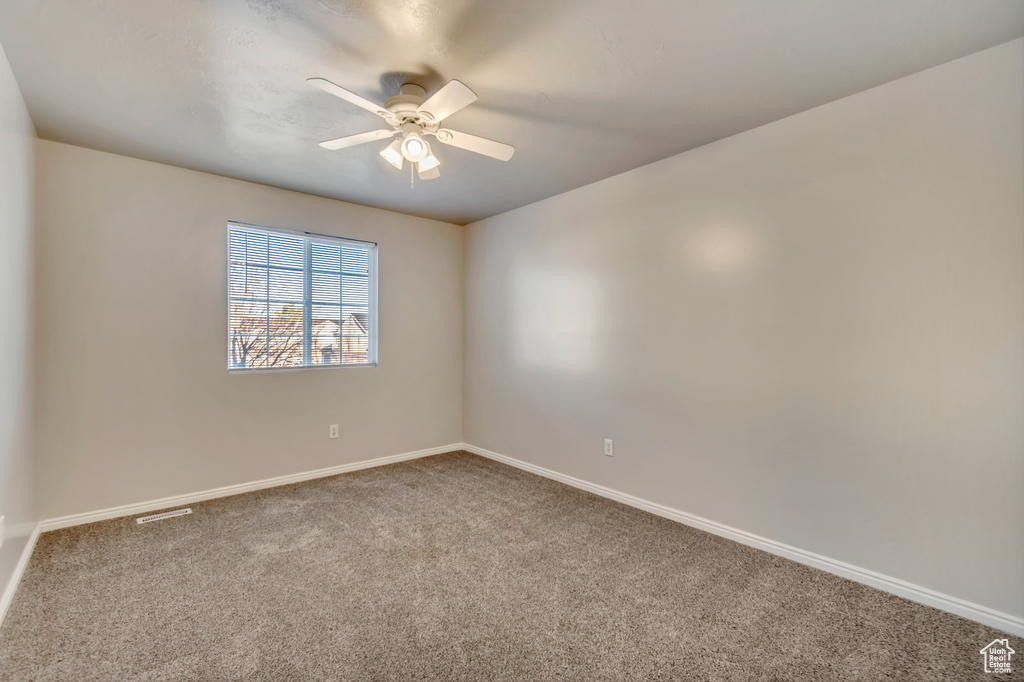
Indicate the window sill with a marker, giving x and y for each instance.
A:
(269, 370)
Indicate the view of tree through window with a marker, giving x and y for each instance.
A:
(299, 300)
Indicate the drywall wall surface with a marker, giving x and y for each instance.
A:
(17, 154)
(812, 331)
(134, 399)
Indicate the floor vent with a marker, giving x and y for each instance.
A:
(165, 515)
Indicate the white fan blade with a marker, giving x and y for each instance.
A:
(434, 172)
(446, 101)
(472, 143)
(350, 97)
(353, 140)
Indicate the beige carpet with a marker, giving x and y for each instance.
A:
(453, 568)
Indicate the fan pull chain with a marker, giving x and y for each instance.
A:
(410, 177)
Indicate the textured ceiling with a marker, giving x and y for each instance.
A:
(584, 89)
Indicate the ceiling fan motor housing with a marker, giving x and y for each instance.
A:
(405, 107)
(407, 101)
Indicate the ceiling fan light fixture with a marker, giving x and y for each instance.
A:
(393, 154)
(414, 147)
(430, 161)
(429, 174)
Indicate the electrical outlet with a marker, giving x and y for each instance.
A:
(608, 447)
(334, 431)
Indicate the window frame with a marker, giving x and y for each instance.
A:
(309, 238)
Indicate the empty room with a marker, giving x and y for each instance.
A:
(536, 340)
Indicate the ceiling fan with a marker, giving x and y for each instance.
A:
(412, 116)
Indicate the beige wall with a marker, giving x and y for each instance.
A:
(17, 153)
(812, 331)
(135, 400)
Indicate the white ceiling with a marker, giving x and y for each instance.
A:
(584, 89)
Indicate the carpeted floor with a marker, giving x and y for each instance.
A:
(453, 567)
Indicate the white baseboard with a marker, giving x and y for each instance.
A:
(901, 588)
(12, 585)
(226, 491)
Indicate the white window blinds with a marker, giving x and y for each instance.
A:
(299, 300)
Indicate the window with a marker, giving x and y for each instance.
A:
(299, 300)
